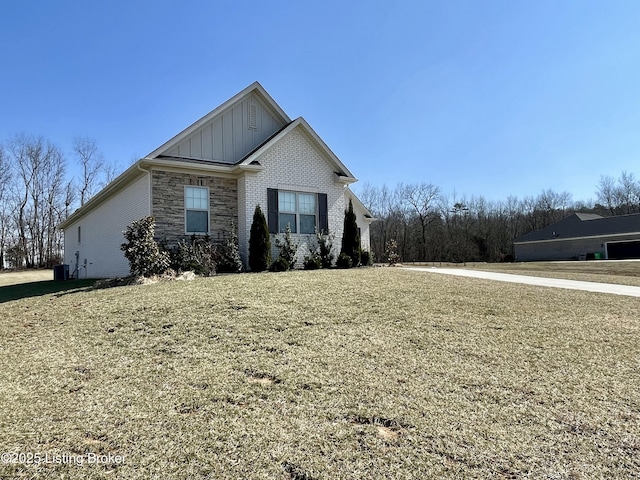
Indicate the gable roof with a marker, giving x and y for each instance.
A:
(248, 163)
(358, 205)
(255, 89)
(580, 225)
(339, 168)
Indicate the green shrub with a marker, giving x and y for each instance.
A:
(325, 248)
(344, 261)
(350, 237)
(365, 258)
(259, 242)
(142, 251)
(288, 248)
(197, 255)
(312, 261)
(229, 260)
(280, 265)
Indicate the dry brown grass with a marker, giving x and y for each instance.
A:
(369, 373)
(24, 276)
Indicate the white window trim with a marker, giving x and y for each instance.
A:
(208, 210)
(297, 212)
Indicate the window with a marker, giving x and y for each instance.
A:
(196, 203)
(304, 212)
(298, 210)
(79, 235)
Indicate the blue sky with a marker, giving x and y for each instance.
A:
(491, 98)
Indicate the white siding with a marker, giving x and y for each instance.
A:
(229, 137)
(294, 163)
(101, 232)
(363, 224)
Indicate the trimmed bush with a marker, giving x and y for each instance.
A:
(259, 242)
(229, 260)
(350, 237)
(198, 256)
(344, 261)
(325, 248)
(280, 265)
(288, 248)
(142, 251)
(312, 261)
(365, 258)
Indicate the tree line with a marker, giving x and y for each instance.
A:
(36, 194)
(430, 226)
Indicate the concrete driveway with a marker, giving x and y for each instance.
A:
(540, 281)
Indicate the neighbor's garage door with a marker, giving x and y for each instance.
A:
(619, 250)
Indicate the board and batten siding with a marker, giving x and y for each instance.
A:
(230, 136)
(295, 163)
(101, 232)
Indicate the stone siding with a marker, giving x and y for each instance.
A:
(168, 205)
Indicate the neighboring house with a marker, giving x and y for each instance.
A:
(581, 236)
(208, 179)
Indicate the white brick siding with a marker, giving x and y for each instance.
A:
(101, 232)
(363, 224)
(294, 163)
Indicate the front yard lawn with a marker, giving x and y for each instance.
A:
(365, 373)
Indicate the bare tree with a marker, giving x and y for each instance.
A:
(606, 193)
(92, 165)
(110, 171)
(385, 205)
(421, 199)
(37, 191)
(5, 205)
(628, 193)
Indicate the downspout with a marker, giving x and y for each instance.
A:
(148, 172)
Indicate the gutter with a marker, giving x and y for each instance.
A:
(606, 235)
(134, 170)
(95, 201)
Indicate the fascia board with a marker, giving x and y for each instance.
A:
(119, 183)
(188, 167)
(326, 148)
(577, 238)
(301, 122)
(360, 205)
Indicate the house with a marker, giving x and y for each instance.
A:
(208, 179)
(581, 236)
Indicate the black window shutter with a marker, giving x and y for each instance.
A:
(272, 210)
(323, 215)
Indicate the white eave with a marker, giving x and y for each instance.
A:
(367, 214)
